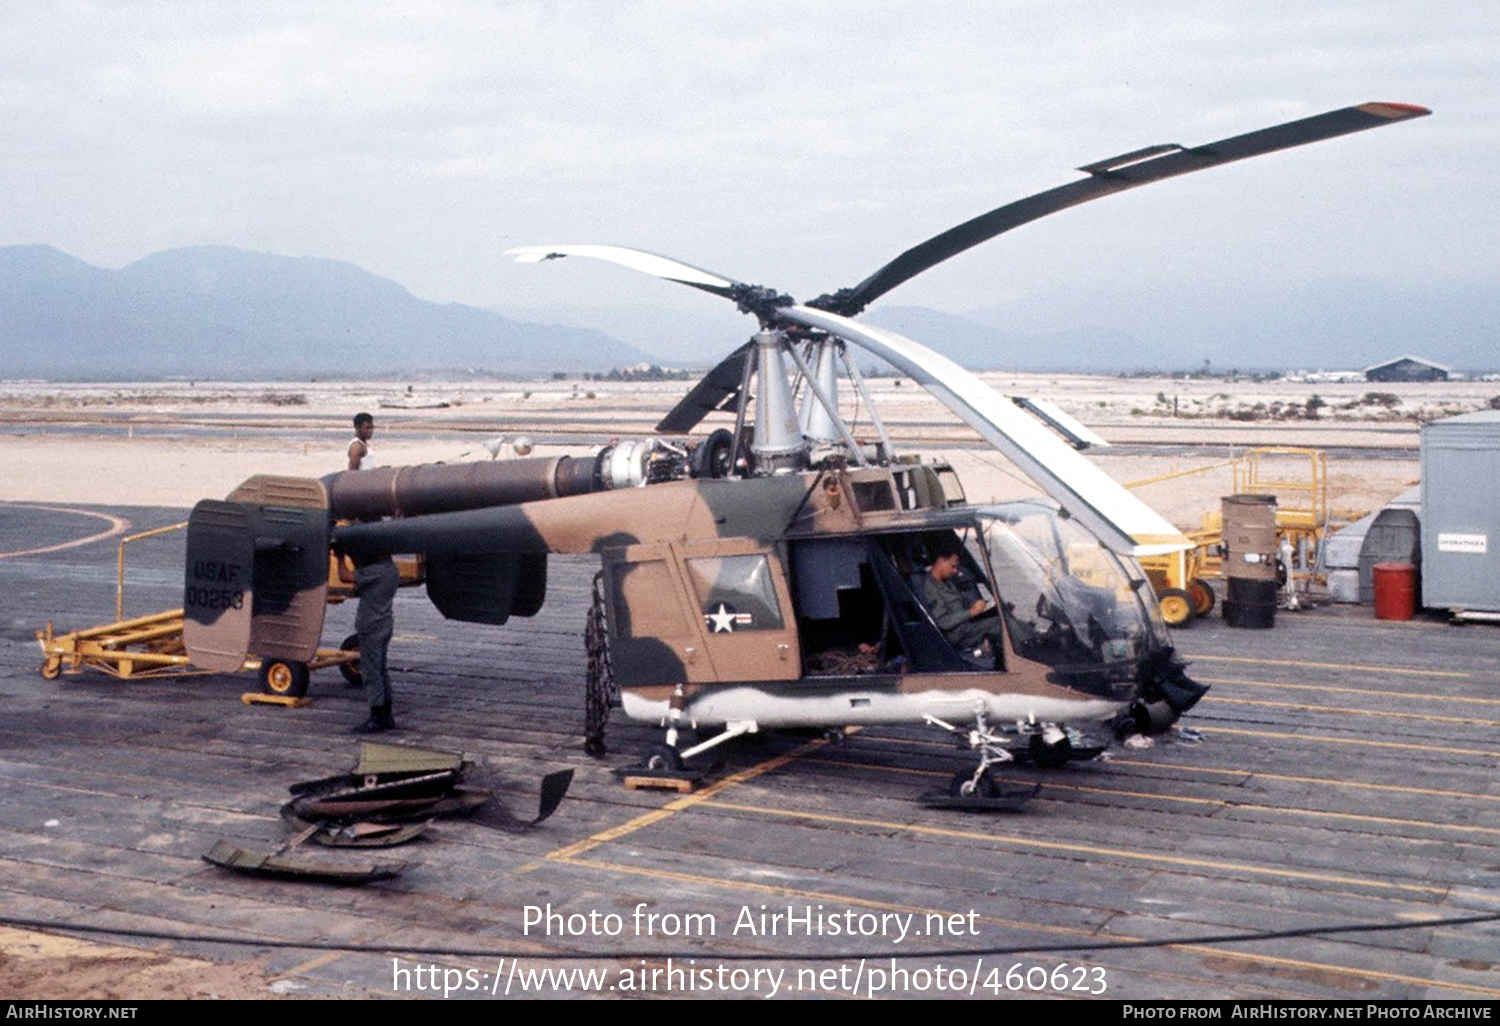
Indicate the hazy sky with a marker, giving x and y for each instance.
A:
(794, 144)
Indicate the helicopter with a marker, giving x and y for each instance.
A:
(780, 573)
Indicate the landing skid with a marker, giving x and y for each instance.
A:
(1000, 797)
(979, 790)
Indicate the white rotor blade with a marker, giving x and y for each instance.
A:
(635, 259)
(1098, 501)
(1074, 431)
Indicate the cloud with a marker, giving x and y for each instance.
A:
(804, 142)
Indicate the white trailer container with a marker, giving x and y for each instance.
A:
(1461, 515)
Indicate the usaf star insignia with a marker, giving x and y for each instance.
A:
(724, 619)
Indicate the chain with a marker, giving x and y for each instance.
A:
(600, 692)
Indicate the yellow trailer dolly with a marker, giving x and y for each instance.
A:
(151, 646)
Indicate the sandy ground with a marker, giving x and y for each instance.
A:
(113, 470)
(174, 443)
(39, 966)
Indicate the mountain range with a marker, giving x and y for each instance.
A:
(1333, 324)
(213, 311)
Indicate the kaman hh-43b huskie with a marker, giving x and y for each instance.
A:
(778, 573)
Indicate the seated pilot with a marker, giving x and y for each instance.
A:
(962, 620)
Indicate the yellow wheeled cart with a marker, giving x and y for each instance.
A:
(152, 645)
(1180, 579)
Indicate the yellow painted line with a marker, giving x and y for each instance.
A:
(316, 962)
(1329, 781)
(673, 807)
(1229, 953)
(1370, 974)
(1223, 803)
(908, 770)
(1302, 707)
(1415, 696)
(1400, 745)
(1371, 667)
(1014, 841)
(1258, 807)
(118, 525)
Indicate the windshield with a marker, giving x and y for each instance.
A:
(1068, 600)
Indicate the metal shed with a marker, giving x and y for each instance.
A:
(1408, 368)
(1461, 514)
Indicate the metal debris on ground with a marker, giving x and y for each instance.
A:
(296, 867)
(388, 797)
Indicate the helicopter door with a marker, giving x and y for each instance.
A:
(654, 634)
(744, 608)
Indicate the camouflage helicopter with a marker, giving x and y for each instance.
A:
(779, 573)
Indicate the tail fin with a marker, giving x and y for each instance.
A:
(257, 573)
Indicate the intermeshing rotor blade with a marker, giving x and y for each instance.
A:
(1116, 174)
(709, 394)
(719, 384)
(1115, 515)
(635, 259)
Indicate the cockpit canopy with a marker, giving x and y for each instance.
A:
(1068, 600)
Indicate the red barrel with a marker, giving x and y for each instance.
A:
(1395, 591)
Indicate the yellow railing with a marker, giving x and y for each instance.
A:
(1301, 501)
(120, 562)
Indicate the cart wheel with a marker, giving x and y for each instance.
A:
(51, 667)
(351, 673)
(1177, 607)
(279, 677)
(1203, 596)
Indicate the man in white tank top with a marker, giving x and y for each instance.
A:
(361, 456)
(375, 583)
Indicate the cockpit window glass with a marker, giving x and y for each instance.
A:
(736, 592)
(1067, 599)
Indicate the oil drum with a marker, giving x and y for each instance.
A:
(1395, 591)
(1250, 560)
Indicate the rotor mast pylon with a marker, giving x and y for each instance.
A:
(779, 444)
